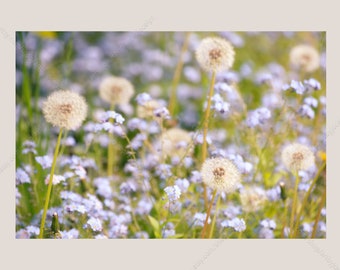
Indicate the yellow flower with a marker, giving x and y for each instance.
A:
(46, 34)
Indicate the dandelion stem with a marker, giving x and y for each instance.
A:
(284, 222)
(297, 180)
(49, 189)
(322, 202)
(205, 130)
(177, 75)
(214, 219)
(208, 214)
(305, 199)
(110, 151)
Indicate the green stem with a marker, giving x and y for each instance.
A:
(177, 75)
(49, 189)
(322, 202)
(208, 214)
(215, 215)
(305, 199)
(205, 131)
(284, 222)
(297, 180)
(110, 153)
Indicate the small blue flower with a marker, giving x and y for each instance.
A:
(183, 184)
(312, 84)
(33, 230)
(162, 112)
(163, 171)
(199, 219)
(44, 161)
(173, 193)
(298, 87)
(29, 147)
(258, 117)
(237, 224)
(268, 223)
(22, 177)
(71, 234)
(306, 111)
(95, 224)
(168, 233)
(313, 102)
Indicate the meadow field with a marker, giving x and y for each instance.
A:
(170, 135)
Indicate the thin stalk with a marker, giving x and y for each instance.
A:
(212, 227)
(177, 75)
(110, 151)
(205, 131)
(305, 199)
(284, 222)
(49, 189)
(322, 202)
(208, 214)
(297, 180)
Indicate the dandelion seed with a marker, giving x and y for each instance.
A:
(305, 57)
(220, 174)
(215, 54)
(297, 157)
(116, 90)
(65, 109)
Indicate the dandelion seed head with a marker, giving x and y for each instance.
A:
(220, 174)
(65, 109)
(297, 157)
(176, 142)
(215, 54)
(305, 57)
(252, 199)
(116, 90)
(147, 109)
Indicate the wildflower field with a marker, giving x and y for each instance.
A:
(170, 135)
